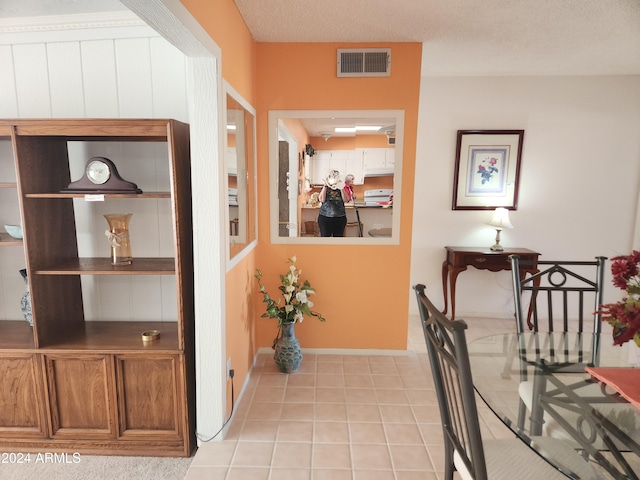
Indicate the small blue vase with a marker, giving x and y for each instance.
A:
(25, 301)
(288, 355)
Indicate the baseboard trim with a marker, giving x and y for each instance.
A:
(346, 351)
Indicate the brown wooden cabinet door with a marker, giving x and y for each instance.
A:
(81, 396)
(151, 400)
(21, 399)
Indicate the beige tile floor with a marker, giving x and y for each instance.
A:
(340, 417)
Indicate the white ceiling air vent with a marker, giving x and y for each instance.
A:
(364, 62)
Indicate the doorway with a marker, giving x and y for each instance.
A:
(287, 183)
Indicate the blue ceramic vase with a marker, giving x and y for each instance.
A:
(25, 302)
(288, 355)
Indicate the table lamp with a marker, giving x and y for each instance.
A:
(499, 220)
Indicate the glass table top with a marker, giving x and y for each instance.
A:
(537, 385)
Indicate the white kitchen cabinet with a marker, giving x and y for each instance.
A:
(390, 158)
(338, 161)
(373, 158)
(345, 161)
(355, 166)
(377, 161)
(320, 166)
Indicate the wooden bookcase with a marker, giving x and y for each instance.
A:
(78, 384)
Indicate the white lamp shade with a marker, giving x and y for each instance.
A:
(500, 218)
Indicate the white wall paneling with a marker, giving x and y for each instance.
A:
(64, 66)
(32, 80)
(100, 79)
(9, 98)
(7, 167)
(95, 73)
(133, 67)
(168, 77)
(11, 258)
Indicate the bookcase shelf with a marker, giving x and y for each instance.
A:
(103, 266)
(7, 240)
(142, 394)
(106, 195)
(109, 337)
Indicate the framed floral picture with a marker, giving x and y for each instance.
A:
(487, 169)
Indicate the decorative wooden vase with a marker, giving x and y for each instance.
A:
(288, 355)
(118, 235)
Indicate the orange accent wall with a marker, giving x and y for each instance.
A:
(224, 24)
(296, 129)
(362, 290)
(241, 314)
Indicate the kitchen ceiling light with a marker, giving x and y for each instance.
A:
(358, 128)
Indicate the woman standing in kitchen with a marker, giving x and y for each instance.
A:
(333, 216)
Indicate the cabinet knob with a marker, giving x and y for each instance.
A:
(480, 260)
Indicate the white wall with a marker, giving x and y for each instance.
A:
(579, 178)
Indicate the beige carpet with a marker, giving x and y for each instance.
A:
(90, 467)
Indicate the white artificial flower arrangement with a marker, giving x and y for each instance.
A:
(296, 297)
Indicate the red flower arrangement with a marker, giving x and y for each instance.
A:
(624, 316)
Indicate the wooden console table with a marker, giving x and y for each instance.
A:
(459, 258)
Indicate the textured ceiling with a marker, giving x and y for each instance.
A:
(461, 37)
(469, 37)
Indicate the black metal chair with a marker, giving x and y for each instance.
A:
(558, 294)
(568, 325)
(557, 304)
(464, 449)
